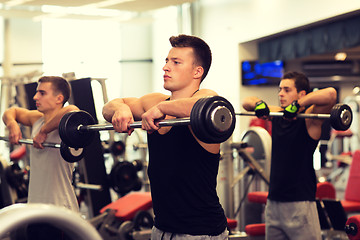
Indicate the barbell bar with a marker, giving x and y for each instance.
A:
(212, 120)
(138, 124)
(31, 142)
(67, 153)
(340, 116)
(281, 114)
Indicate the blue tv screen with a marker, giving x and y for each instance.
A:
(255, 73)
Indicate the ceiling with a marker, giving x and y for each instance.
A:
(83, 9)
(121, 10)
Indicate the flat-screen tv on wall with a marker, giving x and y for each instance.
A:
(255, 73)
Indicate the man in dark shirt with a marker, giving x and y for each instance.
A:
(182, 169)
(291, 211)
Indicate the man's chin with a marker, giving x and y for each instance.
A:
(167, 87)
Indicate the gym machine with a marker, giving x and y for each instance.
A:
(17, 215)
(244, 167)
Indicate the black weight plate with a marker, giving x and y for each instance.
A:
(220, 118)
(203, 109)
(193, 118)
(341, 117)
(138, 185)
(117, 148)
(203, 124)
(123, 177)
(143, 219)
(71, 155)
(125, 230)
(197, 116)
(69, 132)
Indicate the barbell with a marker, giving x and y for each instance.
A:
(340, 116)
(212, 120)
(67, 153)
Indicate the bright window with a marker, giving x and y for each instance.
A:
(86, 47)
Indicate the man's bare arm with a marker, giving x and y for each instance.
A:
(181, 108)
(53, 123)
(21, 115)
(12, 117)
(322, 100)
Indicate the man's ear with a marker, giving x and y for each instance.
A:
(199, 71)
(302, 93)
(59, 99)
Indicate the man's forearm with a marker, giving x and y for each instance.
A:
(53, 123)
(320, 97)
(177, 108)
(250, 102)
(9, 116)
(110, 108)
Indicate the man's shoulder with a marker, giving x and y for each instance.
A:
(34, 116)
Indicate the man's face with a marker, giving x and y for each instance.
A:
(179, 68)
(45, 98)
(287, 92)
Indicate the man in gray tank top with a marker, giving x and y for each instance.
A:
(51, 176)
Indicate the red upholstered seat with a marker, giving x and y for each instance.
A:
(126, 207)
(130, 204)
(232, 223)
(257, 229)
(351, 202)
(350, 206)
(18, 153)
(325, 190)
(257, 197)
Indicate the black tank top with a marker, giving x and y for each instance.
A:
(183, 177)
(292, 176)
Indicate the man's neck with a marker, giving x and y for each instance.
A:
(184, 93)
(50, 114)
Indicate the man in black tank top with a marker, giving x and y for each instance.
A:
(182, 169)
(291, 211)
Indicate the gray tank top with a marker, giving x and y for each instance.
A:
(50, 175)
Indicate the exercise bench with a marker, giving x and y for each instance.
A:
(115, 217)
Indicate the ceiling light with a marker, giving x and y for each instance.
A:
(80, 11)
(12, 3)
(107, 3)
(340, 56)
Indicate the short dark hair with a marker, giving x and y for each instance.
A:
(59, 85)
(300, 79)
(201, 50)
